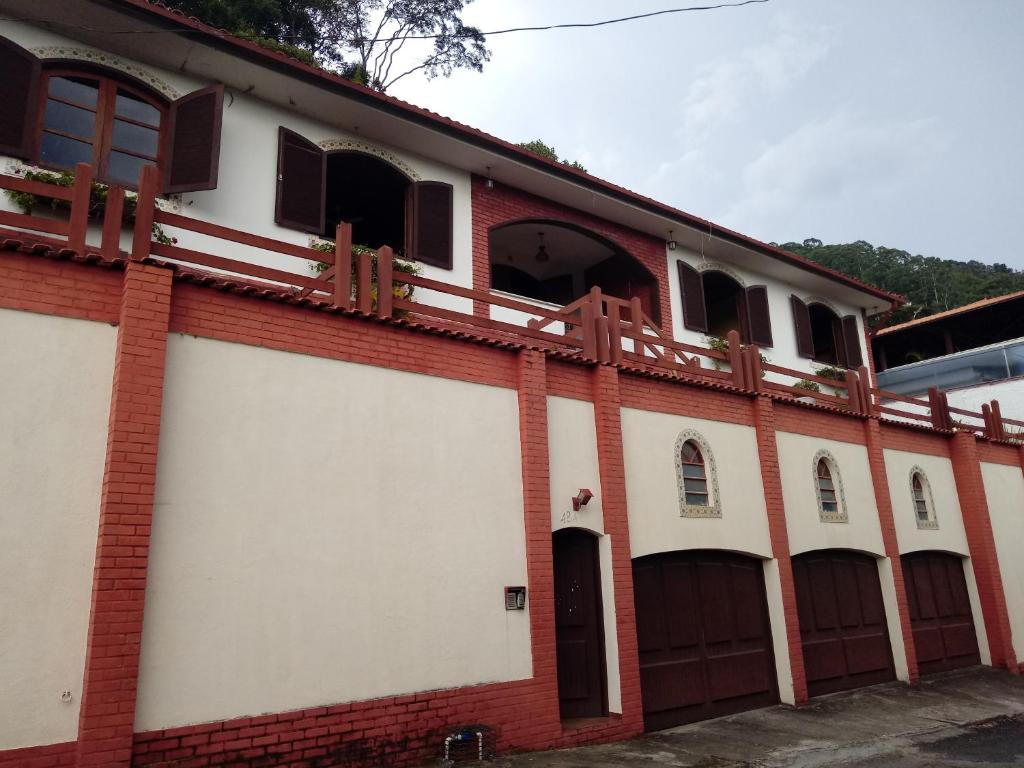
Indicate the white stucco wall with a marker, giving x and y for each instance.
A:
(655, 525)
(1004, 489)
(938, 470)
(326, 532)
(247, 184)
(54, 405)
(572, 450)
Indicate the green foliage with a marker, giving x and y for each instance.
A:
(931, 284)
(810, 386)
(831, 372)
(538, 147)
(28, 203)
(398, 265)
(718, 344)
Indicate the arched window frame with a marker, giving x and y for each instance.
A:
(931, 523)
(713, 509)
(840, 515)
(111, 82)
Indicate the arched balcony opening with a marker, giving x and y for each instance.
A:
(557, 263)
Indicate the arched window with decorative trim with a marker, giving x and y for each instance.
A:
(696, 476)
(921, 496)
(828, 487)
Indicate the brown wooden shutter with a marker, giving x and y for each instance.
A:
(851, 339)
(695, 313)
(802, 323)
(429, 211)
(19, 89)
(301, 183)
(192, 160)
(758, 317)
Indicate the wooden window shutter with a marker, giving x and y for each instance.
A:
(19, 88)
(695, 313)
(192, 160)
(802, 322)
(301, 183)
(758, 317)
(851, 340)
(429, 237)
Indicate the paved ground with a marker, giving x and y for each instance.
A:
(963, 720)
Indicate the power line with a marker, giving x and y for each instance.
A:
(575, 25)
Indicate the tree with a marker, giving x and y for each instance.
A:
(538, 147)
(364, 40)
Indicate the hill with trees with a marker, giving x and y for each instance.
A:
(931, 284)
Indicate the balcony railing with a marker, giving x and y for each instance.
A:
(597, 328)
(961, 369)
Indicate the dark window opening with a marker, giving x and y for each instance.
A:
(920, 505)
(724, 299)
(827, 489)
(695, 479)
(370, 195)
(827, 336)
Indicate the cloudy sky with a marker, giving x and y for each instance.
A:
(899, 122)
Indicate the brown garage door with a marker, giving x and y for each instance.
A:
(842, 621)
(940, 612)
(704, 637)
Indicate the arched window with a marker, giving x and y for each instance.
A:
(371, 195)
(696, 477)
(829, 489)
(88, 117)
(921, 495)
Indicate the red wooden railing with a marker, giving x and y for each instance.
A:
(597, 327)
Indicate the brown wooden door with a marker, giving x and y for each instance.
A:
(579, 629)
(704, 637)
(842, 621)
(940, 612)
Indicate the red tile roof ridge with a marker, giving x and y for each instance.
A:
(990, 301)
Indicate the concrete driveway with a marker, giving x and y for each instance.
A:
(966, 718)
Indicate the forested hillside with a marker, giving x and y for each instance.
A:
(932, 285)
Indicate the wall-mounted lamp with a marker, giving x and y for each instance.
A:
(489, 184)
(671, 243)
(581, 499)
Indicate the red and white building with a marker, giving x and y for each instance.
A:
(255, 513)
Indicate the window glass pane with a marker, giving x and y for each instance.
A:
(68, 119)
(693, 470)
(1015, 356)
(828, 495)
(696, 486)
(922, 510)
(829, 506)
(697, 499)
(131, 106)
(59, 150)
(825, 484)
(80, 90)
(691, 454)
(125, 169)
(135, 138)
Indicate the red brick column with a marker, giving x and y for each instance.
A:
(610, 461)
(768, 452)
(883, 501)
(126, 508)
(970, 487)
(533, 436)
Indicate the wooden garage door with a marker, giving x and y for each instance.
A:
(842, 621)
(703, 635)
(940, 612)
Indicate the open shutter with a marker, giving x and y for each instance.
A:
(802, 322)
(19, 89)
(301, 183)
(429, 219)
(695, 313)
(851, 340)
(758, 318)
(192, 160)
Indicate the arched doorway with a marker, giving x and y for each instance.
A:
(369, 194)
(579, 625)
(843, 627)
(703, 636)
(558, 262)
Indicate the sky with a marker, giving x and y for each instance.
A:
(899, 122)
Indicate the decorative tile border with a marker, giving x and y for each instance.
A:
(93, 56)
(716, 266)
(349, 145)
(840, 516)
(714, 508)
(932, 523)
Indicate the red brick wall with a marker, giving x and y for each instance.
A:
(505, 204)
(107, 713)
(970, 487)
(996, 453)
(913, 440)
(816, 423)
(40, 757)
(60, 288)
(568, 380)
(651, 394)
